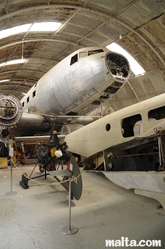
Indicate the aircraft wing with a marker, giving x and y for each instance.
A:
(34, 123)
(149, 184)
(29, 124)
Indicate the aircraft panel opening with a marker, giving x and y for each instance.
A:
(103, 97)
(113, 88)
(128, 125)
(158, 113)
(108, 127)
(96, 102)
(117, 65)
(72, 113)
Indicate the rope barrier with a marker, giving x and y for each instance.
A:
(49, 184)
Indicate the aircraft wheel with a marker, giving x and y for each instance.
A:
(41, 168)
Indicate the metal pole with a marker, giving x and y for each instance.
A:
(11, 173)
(69, 226)
(69, 230)
(159, 147)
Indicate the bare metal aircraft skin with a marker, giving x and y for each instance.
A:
(73, 86)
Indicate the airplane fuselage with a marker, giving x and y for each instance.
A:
(72, 87)
(136, 121)
(77, 81)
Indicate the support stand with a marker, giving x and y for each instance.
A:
(161, 150)
(11, 173)
(69, 230)
(25, 178)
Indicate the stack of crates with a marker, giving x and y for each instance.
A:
(3, 162)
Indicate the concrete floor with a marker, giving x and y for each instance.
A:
(34, 218)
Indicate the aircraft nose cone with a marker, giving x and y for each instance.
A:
(117, 64)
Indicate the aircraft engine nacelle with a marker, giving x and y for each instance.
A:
(66, 129)
(10, 110)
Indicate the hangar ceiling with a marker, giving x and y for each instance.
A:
(138, 26)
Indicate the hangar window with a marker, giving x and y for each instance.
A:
(128, 125)
(27, 99)
(158, 113)
(23, 104)
(30, 27)
(74, 59)
(13, 62)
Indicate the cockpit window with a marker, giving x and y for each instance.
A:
(91, 52)
(83, 54)
(74, 59)
(95, 51)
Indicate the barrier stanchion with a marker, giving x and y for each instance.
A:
(69, 230)
(11, 151)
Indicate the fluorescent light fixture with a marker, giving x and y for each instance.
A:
(36, 27)
(134, 65)
(12, 62)
(6, 80)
